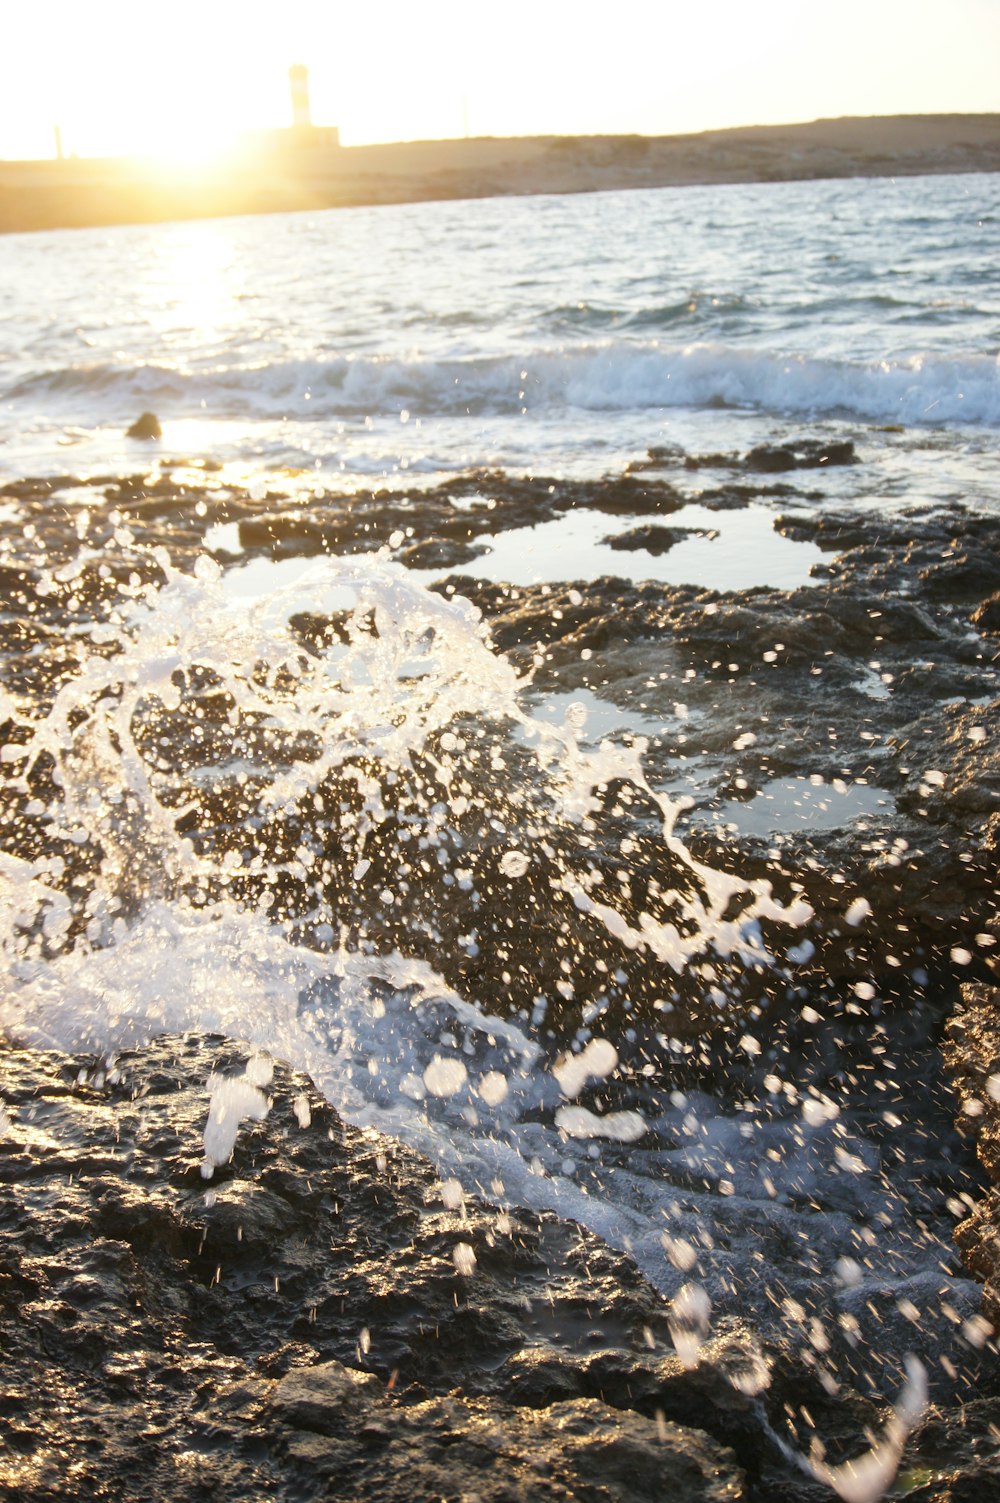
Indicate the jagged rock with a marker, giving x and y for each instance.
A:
(147, 425)
(808, 454)
(339, 1429)
(972, 1054)
(987, 615)
(168, 1322)
(874, 675)
(298, 1327)
(655, 539)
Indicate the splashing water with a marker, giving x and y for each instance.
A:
(320, 819)
(337, 760)
(866, 1478)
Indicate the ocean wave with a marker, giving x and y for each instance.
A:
(693, 308)
(606, 376)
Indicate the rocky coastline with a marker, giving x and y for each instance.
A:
(881, 672)
(324, 1317)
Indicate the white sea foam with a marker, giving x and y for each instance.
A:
(622, 375)
(689, 1321)
(595, 1062)
(233, 1099)
(866, 1478)
(619, 1127)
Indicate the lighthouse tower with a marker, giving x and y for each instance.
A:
(304, 137)
(298, 81)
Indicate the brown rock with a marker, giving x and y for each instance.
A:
(147, 425)
(972, 1054)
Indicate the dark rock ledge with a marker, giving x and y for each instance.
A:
(972, 1055)
(299, 1327)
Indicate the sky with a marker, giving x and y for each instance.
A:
(184, 79)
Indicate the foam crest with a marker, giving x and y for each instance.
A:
(614, 375)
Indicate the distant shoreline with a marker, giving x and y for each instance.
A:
(83, 192)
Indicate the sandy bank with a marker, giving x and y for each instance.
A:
(51, 195)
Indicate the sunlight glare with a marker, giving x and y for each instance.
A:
(186, 144)
(183, 89)
(192, 282)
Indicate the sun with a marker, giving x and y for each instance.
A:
(187, 144)
(173, 119)
(188, 140)
(180, 92)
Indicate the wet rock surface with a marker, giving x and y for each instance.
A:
(186, 1332)
(807, 454)
(653, 538)
(301, 1324)
(760, 706)
(309, 1323)
(972, 1055)
(881, 675)
(146, 425)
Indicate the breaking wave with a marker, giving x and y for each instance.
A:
(607, 376)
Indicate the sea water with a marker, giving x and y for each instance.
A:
(544, 335)
(211, 828)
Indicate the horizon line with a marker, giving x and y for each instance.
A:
(282, 131)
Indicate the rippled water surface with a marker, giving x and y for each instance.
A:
(546, 333)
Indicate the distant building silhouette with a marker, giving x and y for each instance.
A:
(303, 133)
(298, 81)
